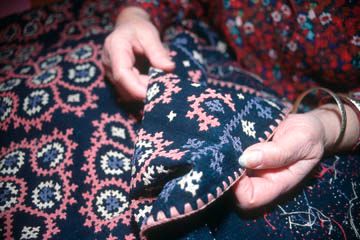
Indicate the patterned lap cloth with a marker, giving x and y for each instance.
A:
(77, 164)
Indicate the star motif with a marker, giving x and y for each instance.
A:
(196, 84)
(186, 63)
(171, 116)
(240, 96)
(161, 169)
(248, 128)
(118, 132)
(143, 212)
(73, 98)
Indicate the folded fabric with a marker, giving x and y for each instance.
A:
(66, 144)
(192, 135)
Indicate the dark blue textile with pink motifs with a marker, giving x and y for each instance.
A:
(77, 164)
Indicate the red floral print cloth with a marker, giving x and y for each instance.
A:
(291, 45)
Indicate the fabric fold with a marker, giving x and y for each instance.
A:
(192, 135)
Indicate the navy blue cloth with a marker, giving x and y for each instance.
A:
(77, 164)
(193, 133)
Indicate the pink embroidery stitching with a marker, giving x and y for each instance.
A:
(169, 82)
(204, 119)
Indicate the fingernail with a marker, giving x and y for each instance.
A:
(251, 158)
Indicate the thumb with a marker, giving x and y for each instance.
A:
(156, 52)
(271, 155)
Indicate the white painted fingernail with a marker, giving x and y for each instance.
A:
(251, 158)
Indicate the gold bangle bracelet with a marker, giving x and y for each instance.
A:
(354, 103)
(338, 102)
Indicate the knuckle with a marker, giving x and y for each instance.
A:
(246, 199)
(116, 75)
(108, 40)
(306, 135)
(105, 58)
(136, 95)
(284, 158)
(248, 203)
(110, 77)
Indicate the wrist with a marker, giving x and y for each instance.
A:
(330, 119)
(131, 13)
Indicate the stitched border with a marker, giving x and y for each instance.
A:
(160, 218)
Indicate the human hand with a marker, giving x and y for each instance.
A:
(277, 166)
(133, 35)
(298, 144)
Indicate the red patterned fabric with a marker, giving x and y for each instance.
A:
(292, 46)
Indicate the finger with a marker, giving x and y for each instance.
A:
(138, 93)
(252, 192)
(138, 47)
(122, 60)
(275, 154)
(156, 52)
(261, 187)
(144, 80)
(105, 58)
(132, 84)
(122, 94)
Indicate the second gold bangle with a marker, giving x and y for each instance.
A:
(338, 102)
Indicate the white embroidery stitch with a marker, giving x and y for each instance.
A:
(248, 128)
(190, 182)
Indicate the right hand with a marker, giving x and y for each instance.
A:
(133, 35)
